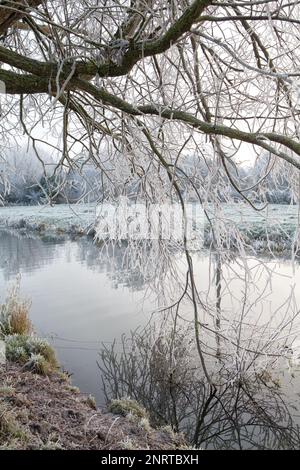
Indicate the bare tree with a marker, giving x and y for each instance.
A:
(135, 87)
(131, 75)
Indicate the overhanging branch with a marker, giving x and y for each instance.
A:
(11, 12)
(18, 84)
(135, 52)
(255, 138)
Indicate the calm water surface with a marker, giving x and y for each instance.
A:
(78, 300)
(82, 298)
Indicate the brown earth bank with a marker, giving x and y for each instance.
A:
(47, 412)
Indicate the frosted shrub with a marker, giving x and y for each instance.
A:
(41, 346)
(125, 405)
(17, 332)
(35, 353)
(38, 364)
(18, 354)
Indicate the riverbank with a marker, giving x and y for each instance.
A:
(47, 412)
(50, 221)
(272, 230)
(39, 407)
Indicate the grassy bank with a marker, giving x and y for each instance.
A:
(40, 409)
(271, 230)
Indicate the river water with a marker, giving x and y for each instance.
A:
(83, 298)
(78, 302)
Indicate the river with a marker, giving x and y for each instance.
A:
(83, 297)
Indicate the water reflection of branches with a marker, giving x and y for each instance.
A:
(23, 252)
(158, 368)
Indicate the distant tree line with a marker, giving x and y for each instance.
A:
(38, 182)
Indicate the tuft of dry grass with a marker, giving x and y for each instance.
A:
(7, 391)
(144, 424)
(127, 444)
(14, 314)
(19, 320)
(125, 405)
(9, 427)
(38, 364)
(90, 400)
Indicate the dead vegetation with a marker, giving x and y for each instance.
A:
(14, 314)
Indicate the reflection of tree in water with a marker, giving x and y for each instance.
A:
(130, 266)
(112, 260)
(245, 410)
(23, 252)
